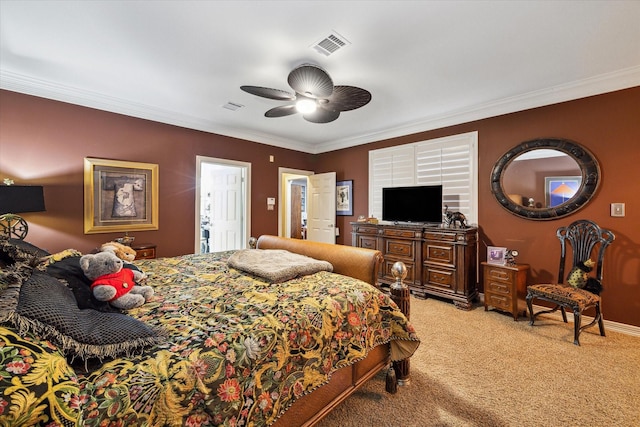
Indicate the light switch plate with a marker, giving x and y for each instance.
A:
(617, 209)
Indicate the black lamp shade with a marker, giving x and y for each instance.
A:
(21, 198)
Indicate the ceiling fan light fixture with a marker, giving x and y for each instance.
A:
(306, 106)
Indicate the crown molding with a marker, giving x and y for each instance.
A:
(604, 83)
(618, 80)
(45, 89)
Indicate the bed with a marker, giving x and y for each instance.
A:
(216, 345)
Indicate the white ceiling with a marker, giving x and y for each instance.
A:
(427, 64)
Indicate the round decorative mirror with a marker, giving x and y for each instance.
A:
(545, 178)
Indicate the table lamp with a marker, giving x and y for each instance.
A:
(15, 199)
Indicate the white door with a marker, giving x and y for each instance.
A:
(226, 209)
(321, 207)
(222, 205)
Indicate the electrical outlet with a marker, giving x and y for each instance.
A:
(617, 209)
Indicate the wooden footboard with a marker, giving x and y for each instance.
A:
(310, 409)
(360, 263)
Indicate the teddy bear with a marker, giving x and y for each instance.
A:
(112, 282)
(124, 252)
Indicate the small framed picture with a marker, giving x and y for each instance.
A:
(496, 255)
(344, 198)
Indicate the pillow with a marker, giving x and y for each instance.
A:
(276, 265)
(580, 273)
(16, 250)
(43, 305)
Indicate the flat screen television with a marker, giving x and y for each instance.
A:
(412, 204)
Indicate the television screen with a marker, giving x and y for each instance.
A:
(412, 204)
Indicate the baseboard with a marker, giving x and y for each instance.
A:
(609, 325)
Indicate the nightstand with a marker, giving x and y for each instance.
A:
(505, 287)
(145, 251)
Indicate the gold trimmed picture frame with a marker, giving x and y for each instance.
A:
(120, 196)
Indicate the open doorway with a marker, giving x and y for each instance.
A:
(317, 223)
(292, 209)
(222, 204)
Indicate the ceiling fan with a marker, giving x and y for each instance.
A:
(315, 96)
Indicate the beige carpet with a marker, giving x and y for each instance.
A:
(477, 368)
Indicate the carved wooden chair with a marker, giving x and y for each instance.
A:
(586, 240)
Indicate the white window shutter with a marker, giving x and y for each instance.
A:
(393, 167)
(450, 161)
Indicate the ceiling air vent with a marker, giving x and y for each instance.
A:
(232, 106)
(330, 44)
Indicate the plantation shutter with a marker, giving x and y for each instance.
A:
(450, 161)
(394, 167)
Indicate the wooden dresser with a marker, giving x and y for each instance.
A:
(505, 287)
(440, 261)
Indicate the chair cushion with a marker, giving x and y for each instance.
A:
(565, 295)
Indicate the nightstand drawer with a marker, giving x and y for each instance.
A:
(145, 251)
(500, 274)
(499, 301)
(503, 288)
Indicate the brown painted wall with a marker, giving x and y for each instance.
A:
(44, 142)
(608, 125)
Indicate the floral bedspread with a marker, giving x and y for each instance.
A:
(238, 351)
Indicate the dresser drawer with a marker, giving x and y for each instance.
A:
(365, 229)
(439, 236)
(368, 242)
(387, 265)
(440, 277)
(440, 253)
(403, 249)
(407, 234)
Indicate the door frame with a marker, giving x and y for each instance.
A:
(246, 214)
(284, 176)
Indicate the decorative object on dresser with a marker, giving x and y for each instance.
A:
(510, 256)
(505, 287)
(145, 250)
(586, 241)
(496, 255)
(440, 261)
(451, 218)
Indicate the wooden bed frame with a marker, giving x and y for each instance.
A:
(359, 263)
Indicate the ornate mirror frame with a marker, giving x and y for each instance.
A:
(585, 160)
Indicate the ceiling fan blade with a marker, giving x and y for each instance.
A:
(311, 81)
(265, 92)
(283, 110)
(345, 98)
(321, 115)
